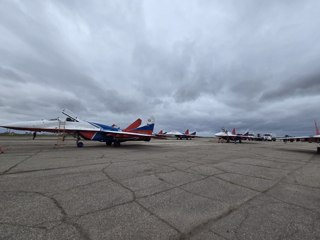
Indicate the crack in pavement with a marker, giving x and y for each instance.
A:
(64, 219)
(246, 175)
(12, 167)
(237, 184)
(55, 168)
(22, 225)
(137, 202)
(257, 165)
(204, 225)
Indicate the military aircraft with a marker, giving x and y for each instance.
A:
(189, 135)
(176, 134)
(310, 139)
(160, 135)
(233, 136)
(81, 129)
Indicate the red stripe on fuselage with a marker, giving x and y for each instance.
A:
(87, 135)
(141, 131)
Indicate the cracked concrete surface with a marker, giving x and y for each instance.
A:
(197, 189)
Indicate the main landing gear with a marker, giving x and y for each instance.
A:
(115, 143)
(79, 143)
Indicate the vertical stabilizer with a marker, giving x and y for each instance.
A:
(146, 129)
(234, 131)
(133, 125)
(317, 129)
(186, 132)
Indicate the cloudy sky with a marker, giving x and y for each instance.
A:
(198, 64)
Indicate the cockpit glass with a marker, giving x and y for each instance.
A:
(69, 119)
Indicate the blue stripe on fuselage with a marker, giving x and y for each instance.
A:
(104, 127)
(101, 137)
(146, 127)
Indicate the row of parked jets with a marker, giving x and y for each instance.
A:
(176, 135)
(113, 135)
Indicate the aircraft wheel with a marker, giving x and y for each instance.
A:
(79, 144)
(108, 143)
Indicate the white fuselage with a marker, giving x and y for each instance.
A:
(224, 134)
(52, 125)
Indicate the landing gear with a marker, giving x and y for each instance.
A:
(318, 150)
(116, 144)
(108, 143)
(79, 143)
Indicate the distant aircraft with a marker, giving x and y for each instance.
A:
(160, 135)
(233, 136)
(189, 135)
(88, 130)
(176, 134)
(310, 139)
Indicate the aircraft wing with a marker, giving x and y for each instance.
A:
(110, 132)
(301, 138)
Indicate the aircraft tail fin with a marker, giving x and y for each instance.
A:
(193, 134)
(133, 125)
(186, 132)
(317, 129)
(160, 132)
(234, 131)
(146, 129)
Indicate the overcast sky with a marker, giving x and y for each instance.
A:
(197, 64)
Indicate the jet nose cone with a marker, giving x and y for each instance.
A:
(10, 125)
(17, 125)
(6, 125)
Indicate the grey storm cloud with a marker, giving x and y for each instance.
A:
(194, 64)
(304, 86)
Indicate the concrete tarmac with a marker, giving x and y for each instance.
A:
(196, 189)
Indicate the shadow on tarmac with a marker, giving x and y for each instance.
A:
(308, 151)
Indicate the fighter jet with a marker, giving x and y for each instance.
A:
(310, 139)
(160, 135)
(81, 129)
(233, 136)
(176, 134)
(189, 135)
